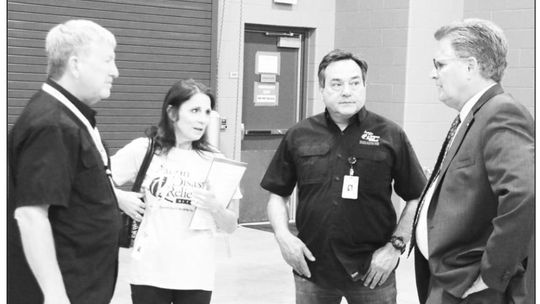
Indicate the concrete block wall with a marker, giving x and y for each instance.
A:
(426, 118)
(516, 18)
(377, 32)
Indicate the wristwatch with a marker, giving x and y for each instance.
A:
(398, 243)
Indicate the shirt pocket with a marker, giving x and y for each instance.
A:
(372, 167)
(313, 163)
(91, 181)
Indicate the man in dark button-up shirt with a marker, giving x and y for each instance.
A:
(344, 162)
(63, 218)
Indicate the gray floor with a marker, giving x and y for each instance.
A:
(251, 270)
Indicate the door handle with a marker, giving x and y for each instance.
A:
(264, 132)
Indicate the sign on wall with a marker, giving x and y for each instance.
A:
(266, 92)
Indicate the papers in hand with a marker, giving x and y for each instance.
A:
(224, 177)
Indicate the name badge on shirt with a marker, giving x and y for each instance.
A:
(350, 187)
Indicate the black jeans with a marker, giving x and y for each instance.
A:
(142, 294)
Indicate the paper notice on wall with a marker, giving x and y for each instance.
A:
(223, 177)
(266, 94)
(267, 62)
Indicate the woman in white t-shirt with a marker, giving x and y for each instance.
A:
(170, 262)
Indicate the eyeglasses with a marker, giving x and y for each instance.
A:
(439, 65)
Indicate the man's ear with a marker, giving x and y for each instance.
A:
(472, 64)
(73, 66)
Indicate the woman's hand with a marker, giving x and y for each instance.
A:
(131, 203)
(226, 219)
(206, 199)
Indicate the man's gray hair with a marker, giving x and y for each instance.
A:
(480, 39)
(72, 38)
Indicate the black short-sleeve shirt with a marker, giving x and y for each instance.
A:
(343, 233)
(53, 161)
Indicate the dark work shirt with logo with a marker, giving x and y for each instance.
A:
(343, 233)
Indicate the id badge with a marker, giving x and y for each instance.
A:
(350, 187)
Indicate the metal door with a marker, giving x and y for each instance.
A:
(272, 94)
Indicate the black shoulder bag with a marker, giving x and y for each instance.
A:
(129, 226)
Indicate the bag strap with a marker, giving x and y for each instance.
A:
(144, 166)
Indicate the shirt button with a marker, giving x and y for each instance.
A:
(335, 203)
(339, 155)
(336, 178)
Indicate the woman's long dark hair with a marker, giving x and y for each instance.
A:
(179, 93)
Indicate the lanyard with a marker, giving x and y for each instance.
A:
(94, 133)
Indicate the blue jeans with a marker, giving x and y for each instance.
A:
(308, 292)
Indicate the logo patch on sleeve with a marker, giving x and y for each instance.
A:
(368, 138)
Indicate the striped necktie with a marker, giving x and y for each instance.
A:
(444, 149)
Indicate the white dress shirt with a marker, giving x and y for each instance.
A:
(421, 228)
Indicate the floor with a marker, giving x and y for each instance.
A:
(250, 269)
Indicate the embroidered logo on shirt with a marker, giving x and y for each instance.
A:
(369, 139)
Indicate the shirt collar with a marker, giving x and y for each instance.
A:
(471, 102)
(358, 117)
(85, 110)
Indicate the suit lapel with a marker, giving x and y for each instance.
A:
(466, 124)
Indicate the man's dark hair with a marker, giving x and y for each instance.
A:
(339, 55)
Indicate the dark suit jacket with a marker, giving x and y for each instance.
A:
(481, 217)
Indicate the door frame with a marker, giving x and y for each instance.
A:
(301, 100)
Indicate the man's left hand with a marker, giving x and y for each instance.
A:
(383, 262)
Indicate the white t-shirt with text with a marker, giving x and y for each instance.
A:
(167, 253)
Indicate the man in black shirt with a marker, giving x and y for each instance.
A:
(63, 218)
(344, 162)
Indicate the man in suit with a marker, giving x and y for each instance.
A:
(63, 219)
(476, 215)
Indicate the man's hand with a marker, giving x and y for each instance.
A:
(383, 262)
(295, 252)
(131, 203)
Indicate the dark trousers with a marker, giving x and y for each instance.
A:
(142, 294)
(421, 269)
